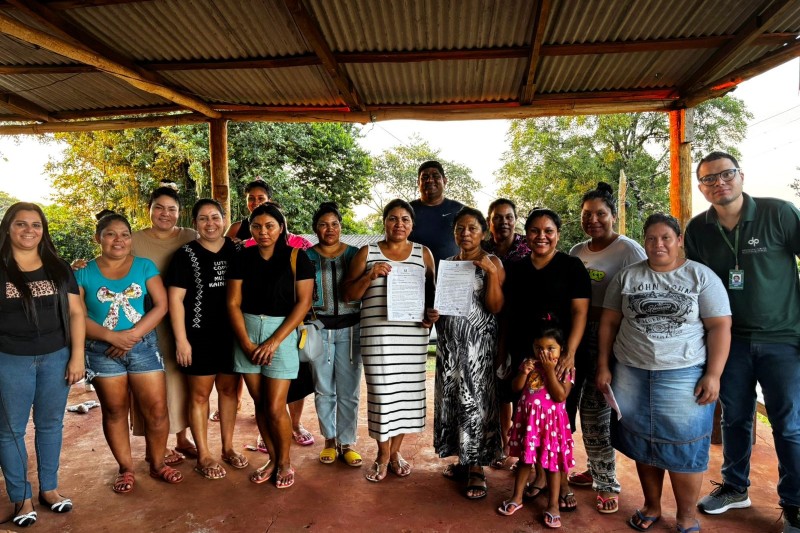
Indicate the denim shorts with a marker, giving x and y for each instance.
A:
(142, 358)
(662, 425)
(286, 360)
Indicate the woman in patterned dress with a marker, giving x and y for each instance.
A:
(393, 352)
(466, 418)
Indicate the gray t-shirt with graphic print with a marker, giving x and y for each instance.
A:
(662, 327)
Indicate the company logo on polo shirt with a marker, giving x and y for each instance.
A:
(754, 248)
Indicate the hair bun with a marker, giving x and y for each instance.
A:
(604, 187)
(329, 205)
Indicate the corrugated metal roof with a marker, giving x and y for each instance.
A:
(453, 76)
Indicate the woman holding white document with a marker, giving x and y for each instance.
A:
(393, 351)
(466, 409)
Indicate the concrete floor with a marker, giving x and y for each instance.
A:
(338, 498)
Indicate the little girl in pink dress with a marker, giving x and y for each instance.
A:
(540, 433)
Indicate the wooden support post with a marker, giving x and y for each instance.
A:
(218, 149)
(622, 197)
(680, 156)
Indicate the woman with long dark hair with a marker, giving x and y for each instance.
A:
(42, 333)
(266, 302)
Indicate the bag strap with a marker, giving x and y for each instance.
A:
(293, 263)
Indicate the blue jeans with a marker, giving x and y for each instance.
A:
(32, 381)
(337, 378)
(777, 368)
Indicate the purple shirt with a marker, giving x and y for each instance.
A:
(519, 249)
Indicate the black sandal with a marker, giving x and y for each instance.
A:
(479, 487)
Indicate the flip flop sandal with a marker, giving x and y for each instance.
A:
(563, 503)
(173, 458)
(260, 474)
(284, 478)
(532, 491)
(214, 416)
(123, 483)
(351, 457)
(693, 529)
(167, 474)
(600, 503)
(552, 521)
(327, 456)
(377, 472)
(481, 487)
(211, 472)
(500, 462)
(236, 460)
(187, 451)
(508, 508)
(642, 518)
(580, 479)
(456, 472)
(303, 437)
(400, 467)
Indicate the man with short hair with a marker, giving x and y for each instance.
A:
(434, 213)
(752, 244)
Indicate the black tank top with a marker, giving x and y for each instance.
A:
(243, 233)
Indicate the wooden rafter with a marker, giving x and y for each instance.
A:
(419, 56)
(748, 32)
(26, 108)
(74, 43)
(728, 82)
(310, 30)
(528, 87)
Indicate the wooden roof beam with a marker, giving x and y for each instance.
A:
(26, 108)
(528, 87)
(310, 30)
(419, 56)
(748, 32)
(729, 82)
(85, 55)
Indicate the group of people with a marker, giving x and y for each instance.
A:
(548, 335)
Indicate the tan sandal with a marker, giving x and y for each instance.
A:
(377, 472)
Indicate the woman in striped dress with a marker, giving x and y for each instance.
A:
(393, 352)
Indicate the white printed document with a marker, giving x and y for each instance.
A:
(405, 293)
(454, 286)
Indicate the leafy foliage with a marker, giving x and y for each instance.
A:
(305, 164)
(72, 236)
(6, 200)
(394, 175)
(553, 161)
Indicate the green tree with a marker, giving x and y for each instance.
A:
(795, 185)
(71, 234)
(304, 163)
(6, 200)
(553, 161)
(394, 175)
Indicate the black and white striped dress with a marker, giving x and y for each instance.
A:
(394, 355)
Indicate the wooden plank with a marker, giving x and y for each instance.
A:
(218, 152)
(750, 30)
(676, 121)
(26, 108)
(102, 125)
(728, 82)
(310, 30)
(420, 56)
(528, 87)
(67, 49)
